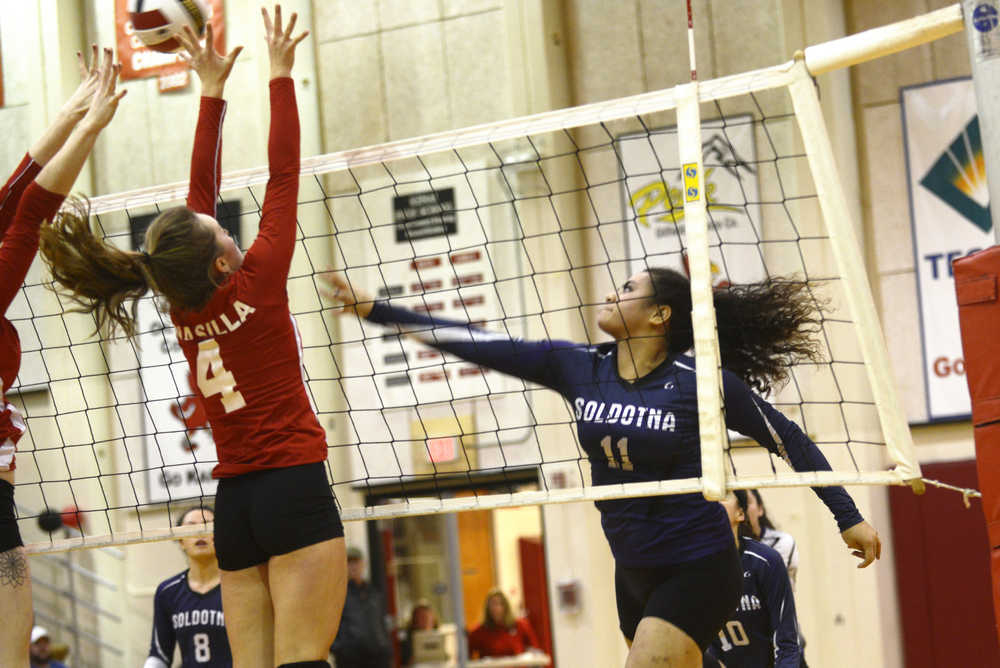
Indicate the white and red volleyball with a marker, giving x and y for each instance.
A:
(158, 22)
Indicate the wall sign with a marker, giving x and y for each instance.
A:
(950, 215)
(424, 215)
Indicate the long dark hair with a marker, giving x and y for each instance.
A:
(744, 529)
(763, 327)
(764, 521)
(108, 281)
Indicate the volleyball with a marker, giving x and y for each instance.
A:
(158, 22)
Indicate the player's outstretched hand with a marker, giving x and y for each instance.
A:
(864, 543)
(280, 43)
(104, 102)
(90, 77)
(211, 66)
(346, 298)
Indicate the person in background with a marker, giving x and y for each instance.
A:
(759, 526)
(187, 608)
(500, 634)
(763, 530)
(362, 640)
(763, 632)
(40, 650)
(422, 618)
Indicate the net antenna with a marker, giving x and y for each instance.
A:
(517, 225)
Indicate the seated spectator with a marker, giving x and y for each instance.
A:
(41, 650)
(422, 618)
(500, 634)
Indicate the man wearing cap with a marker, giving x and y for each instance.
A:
(362, 640)
(41, 651)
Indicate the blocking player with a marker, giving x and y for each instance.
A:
(31, 196)
(276, 522)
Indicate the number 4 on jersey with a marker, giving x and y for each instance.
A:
(221, 381)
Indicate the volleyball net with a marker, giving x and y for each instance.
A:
(521, 227)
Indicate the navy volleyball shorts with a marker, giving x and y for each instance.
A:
(264, 514)
(696, 596)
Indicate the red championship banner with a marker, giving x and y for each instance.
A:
(139, 61)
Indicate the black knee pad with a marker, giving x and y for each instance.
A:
(306, 664)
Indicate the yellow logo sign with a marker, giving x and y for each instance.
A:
(667, 201)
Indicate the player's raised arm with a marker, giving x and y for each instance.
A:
(42, 199)
(269, 258)
(213, 71)
(543, 362)
(54, 136)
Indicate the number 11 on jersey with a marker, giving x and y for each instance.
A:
(221, 381)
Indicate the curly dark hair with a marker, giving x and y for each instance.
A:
(763, 327)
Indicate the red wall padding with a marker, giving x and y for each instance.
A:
(943, 573)
(976, 285)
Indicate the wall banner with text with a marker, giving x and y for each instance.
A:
(950, 215)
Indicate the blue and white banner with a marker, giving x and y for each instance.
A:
(949, 208)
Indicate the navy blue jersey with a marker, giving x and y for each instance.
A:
(636, 432)
(764, 631)
(193, 622)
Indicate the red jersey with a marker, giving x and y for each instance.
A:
(23, 207)
(497, 641)
(243, 346)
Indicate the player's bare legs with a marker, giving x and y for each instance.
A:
(308, 588)
(659, 643)
(246, 603)
(15, 601)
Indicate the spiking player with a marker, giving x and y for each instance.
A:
(276, 521)
(763, 633)
(32, 195)
(187, 608)
(677, 576)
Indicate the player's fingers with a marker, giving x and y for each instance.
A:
(291, 25)
(95, 58)
(268, 27)
(188, 40)
(231, 58)
(277, 19)
(209, 37)
(300, 38)
(878, 547)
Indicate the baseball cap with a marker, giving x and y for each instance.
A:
(38, 633)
